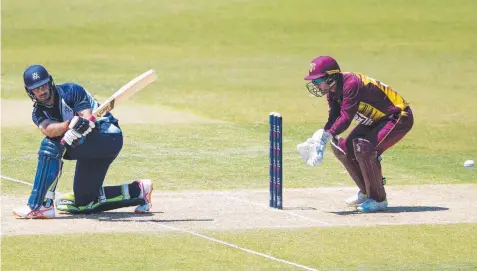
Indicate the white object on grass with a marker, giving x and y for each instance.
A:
(469, 163)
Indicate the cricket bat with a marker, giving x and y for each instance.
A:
(122, 94)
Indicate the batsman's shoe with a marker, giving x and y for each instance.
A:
(356, 200)
(145, 194)
(42, 213)
(371, 206)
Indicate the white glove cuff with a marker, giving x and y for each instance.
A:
(318, 135)
(321, 136)
(73, 122)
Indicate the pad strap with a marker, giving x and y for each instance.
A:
(102, 195)
(125, 188)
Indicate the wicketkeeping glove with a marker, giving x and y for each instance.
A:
(312, 151)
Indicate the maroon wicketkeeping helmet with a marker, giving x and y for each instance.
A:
(321, 66)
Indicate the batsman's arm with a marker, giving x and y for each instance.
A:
(51, 128)
(87, 113)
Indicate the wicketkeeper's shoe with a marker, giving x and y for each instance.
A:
(42, 213)
(145, 194)
(371, 206)
(356, 200)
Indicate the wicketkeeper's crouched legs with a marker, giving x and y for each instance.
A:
(108, 198)
(350, 163)
(366, 155)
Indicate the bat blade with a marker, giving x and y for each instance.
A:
(122, 94)
(125, 92)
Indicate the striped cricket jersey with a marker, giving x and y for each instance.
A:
(70, 99)
(363, 99)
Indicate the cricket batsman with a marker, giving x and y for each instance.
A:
(62, 112)
(384, 118)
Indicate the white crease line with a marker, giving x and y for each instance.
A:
(277, 210)
(57, 193)
(15, 180)
(236, 247)
(205, 237)
(320, 189)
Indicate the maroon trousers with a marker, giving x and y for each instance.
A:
(363, 146)
(384, 134)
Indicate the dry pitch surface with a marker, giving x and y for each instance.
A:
(248, 209)
(242, 209)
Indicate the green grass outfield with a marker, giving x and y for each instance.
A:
(404, 248)
(236, 61)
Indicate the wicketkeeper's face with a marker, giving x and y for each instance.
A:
(319, 87)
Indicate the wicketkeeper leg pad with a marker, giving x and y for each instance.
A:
(366, 155)
(47, 173)
(350, 164)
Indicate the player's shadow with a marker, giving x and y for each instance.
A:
(127, 217)
(299, 208)
(398, 209)
(106, 215)
(177, 220)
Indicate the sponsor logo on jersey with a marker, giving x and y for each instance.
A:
(363, 119)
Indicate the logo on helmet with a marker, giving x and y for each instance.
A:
(312, 67)
(35, 76)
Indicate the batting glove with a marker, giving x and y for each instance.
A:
(81, 125)
(72, 137)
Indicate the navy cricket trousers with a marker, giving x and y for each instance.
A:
(93, 159)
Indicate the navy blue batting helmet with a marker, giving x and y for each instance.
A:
(35, 76)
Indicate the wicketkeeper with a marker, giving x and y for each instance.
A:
(62, 111)
(384, 118)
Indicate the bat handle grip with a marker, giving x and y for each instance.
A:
(91, 118)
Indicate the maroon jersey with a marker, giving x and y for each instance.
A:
(364, 99)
